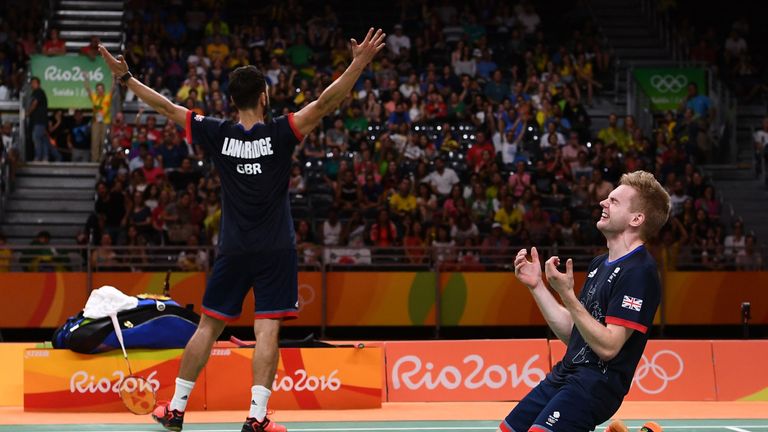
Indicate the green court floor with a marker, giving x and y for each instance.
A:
(734, 425)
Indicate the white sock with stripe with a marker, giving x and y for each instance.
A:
(181, 395)
(259, 397)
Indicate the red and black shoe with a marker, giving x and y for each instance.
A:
(172, 420)
(266, 425)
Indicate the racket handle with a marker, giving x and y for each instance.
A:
(118, 333)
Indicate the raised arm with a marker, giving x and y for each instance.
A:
(309, 117)
(163, 106)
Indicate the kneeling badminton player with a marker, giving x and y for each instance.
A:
(606, 326)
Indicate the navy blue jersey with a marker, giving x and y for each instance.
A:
(254, 166)
(624, 292)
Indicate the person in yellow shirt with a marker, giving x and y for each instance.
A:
(102, 115)
(509, 216)
(404, 201)
(5, 255)
(192, 83)
(217, 49)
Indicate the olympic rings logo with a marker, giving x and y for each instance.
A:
(306, 295)
(651, 367)
(668, 83)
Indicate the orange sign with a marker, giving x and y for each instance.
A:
(740, 370)
(475, 370)
(61, 380)
(668, 370)
(319, 378)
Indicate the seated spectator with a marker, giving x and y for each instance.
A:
(414, 244)
(296, 184)
(598, 188)
(709, 203)
(750, 258)
(104, 257)
(151, 169)
(353, 234)
(444, 248)
(332, 229)
(54, 45)
(5, 254)
(193, 258)
(442, 178)
(348, 193)
(185, 175)
(495, 247)
(404, 201)
(383, 231)
(509, 217)
(612, 134)
(735, 242)
(536, 222)
(464, 229)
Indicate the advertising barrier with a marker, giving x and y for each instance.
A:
(319, 378)
(740, 370)
(62, 76)
(668, 370)
(307, 378)
(667, 87)
(385, 298)
(476, 370)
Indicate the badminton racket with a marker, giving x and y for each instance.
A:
(137, 394)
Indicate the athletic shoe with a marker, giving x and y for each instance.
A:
(172, 420)
(267, 425)
(651, 426)
(617, 426)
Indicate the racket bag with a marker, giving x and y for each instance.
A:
(156, 322)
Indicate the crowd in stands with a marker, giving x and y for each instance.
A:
(467, 137)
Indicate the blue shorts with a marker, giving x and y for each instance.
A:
(579, 404)
(272, 276)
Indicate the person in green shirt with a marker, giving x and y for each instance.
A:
(356, 123)
(299, 53)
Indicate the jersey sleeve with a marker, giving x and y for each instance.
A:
(634, 299)
(204, 131)
(287, 132)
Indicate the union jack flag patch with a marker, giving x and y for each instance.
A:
(632, 303)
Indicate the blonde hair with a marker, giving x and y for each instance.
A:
(652, 200)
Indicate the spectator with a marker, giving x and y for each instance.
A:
(383, 231)
(442, 179)
(92, 49)
(495, 246)
(464, 229)
(348, 191)
(102, 115)
(598, 188)
(54, 45)
(151, 169)
(750, 258)
(194, 258)
(709, 203)
(332, 229)
(678, 197)
(509, 217)
(520, 180)
(104, 257)
(612, 134)
(38, 121)
(5, 254)
(444, 248)
(760, 138)
(414, 244)
(404, 201)
(398, 41)
(735, 242)
(700, 104)
(296, 184)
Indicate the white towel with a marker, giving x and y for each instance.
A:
(106, 301)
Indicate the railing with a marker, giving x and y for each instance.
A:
(318, 258)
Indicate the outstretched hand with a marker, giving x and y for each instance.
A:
(367, 49)
(528, 272)
(560, 282)
(118, 66)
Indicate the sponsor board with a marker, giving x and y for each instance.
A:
(478, 370)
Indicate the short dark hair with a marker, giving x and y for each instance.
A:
(34, 78)
(246, 84)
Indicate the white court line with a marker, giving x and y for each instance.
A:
(738, 428)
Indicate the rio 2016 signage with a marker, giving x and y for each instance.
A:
(61, 77)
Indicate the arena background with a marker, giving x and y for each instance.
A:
(538, 107)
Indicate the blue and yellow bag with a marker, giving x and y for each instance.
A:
(157, 322)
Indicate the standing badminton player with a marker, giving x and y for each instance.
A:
(257, 241)
(606, 327)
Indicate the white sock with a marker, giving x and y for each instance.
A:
(259, 397)
(181, 395)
